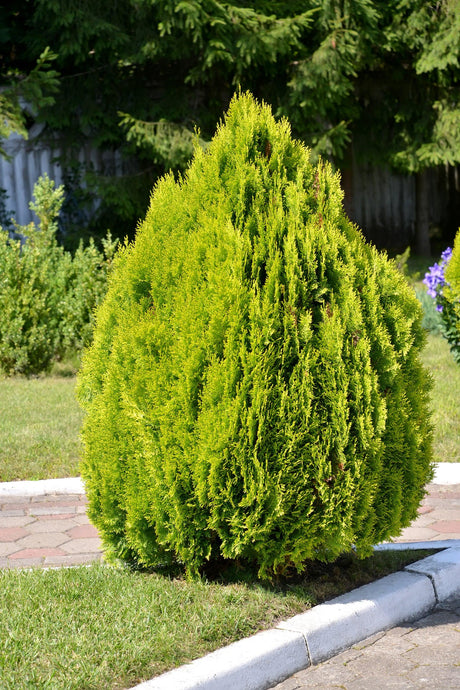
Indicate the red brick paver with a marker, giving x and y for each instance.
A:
(53, 530)
(439, 516)
(83, 532)
(36, 553)
(424, 509)
(63, 516)
(12, 533)
(448, 527)
(50, 531)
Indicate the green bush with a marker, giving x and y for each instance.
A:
(431, 318)
(254, 389)
(47, 297)
(451, 301)
(443, 287)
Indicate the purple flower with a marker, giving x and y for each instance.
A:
(434, 279)
(447, 253)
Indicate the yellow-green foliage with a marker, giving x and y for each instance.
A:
(253, 389)
(47, 296)
(450, 301)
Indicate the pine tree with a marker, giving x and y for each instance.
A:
(378, 76)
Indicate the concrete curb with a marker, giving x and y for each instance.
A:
(41, 487)
(447, 473)
(263, 660)
(336, 625)
(418, 545)
(443, 569)
(255, 662)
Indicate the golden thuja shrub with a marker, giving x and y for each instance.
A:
(254, 389)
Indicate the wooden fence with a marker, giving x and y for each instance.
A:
(29, 159)
(379, 201)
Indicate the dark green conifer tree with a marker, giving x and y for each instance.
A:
(254, 388)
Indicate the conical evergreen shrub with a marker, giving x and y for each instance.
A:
(253, 390)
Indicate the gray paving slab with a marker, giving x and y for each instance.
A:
(418, 655)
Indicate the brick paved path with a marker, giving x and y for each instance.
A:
(54, 530)
(48, 530)
(439, 516)
(424, 654)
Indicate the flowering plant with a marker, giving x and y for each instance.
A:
(435, 279)
(442, 281)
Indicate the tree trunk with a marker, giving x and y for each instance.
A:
(422, 220)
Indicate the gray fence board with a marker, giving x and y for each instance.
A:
(380, 202)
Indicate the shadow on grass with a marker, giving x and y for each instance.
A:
(318, 581)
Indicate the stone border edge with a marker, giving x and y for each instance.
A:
(267, 658)
(41, 487)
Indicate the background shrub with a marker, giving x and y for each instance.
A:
(47, 297)
(254, 388)
(443, 287)
(432, 320)
(451, 301)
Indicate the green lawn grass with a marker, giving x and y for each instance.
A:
(105, 628)
(445, 395)
(445, 398)
(40, 423)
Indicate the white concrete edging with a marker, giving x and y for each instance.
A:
(446, 473)
(41, 487)
(434, 544)
(443, 569)
(260, 661)
(336, 625)
(263, 660)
